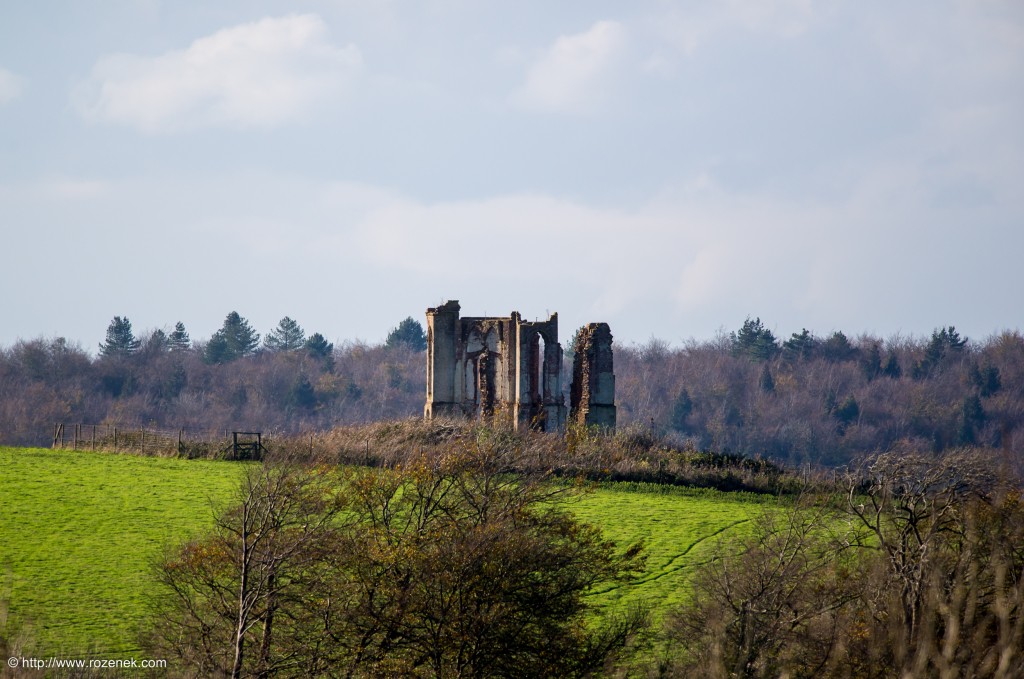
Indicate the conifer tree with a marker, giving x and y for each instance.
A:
(409, 333)
(179, 337)
(318, 346)
(120, 342)
(234, 340)
(287, 336)
(892, 367)
(837, 348)
(945, 341)
(754, 341)
(681, 410)
(800, 345)
(158, 341)
(971, 415)
(301, 394)
(986, 379)
(847, 412)
(871, 362)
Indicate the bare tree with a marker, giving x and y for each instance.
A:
(231, 590)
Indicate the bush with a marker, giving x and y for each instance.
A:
(445, 565)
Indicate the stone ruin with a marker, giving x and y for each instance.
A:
(504, 367)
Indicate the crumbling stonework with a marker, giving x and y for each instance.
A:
(494, 367)
(592, 394)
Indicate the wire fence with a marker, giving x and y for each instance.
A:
(182, 442)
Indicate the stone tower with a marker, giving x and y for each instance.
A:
(592, 395)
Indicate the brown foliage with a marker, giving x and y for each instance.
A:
(920, 573)
(801, 419)
(443, 565)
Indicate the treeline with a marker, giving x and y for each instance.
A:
(284, 384)
(828, 400)
(808, 399)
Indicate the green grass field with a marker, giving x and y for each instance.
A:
(680, 531)
(79, 530)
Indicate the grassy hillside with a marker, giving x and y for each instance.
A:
(680, 528)
(78, 531)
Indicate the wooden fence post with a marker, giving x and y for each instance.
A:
(115, 439)
(94, 437)
(143, 444)
(75, 447)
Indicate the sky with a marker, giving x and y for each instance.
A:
(669, 168)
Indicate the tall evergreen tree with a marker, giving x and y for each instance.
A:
(287, 336)
(318, 346)
(158, 341)
(409, 333)
(944, 342)
(837, 348)
(800, 345)
(892, 367)
(871, 362)
(234, 340)
(120, 341)
(754, 341)
(986, 379)
(681, 410)
(847, 412)
(971, 415)
(301, 393)
(179, 337)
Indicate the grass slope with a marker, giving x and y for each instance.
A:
(681, 530)
(78, 531)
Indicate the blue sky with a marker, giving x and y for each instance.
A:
(667, 167)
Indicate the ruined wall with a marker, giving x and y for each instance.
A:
(486, 367)
(592, 394)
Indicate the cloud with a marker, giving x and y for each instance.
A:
(256, 75)
(570, 76)
(11, 86)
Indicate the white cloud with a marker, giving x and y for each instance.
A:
(570, 76)
(260, 74)
(11, 85)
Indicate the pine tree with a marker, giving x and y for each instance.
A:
(233, 341)
(892, 367)
(971, 415)
(318, 346)
(301, 394)
(848, 411)
(802, 345)
(837, 348)
(409, 333)
(217, 350)
(944, 341)
(158, 341)
(986, 379)
(871, 362)
(120, 342)
(681, 410)
(754, 341)
(288, 336)
(179, 338)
